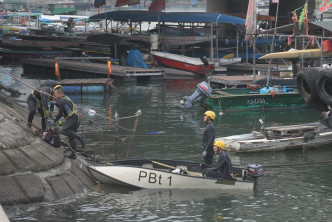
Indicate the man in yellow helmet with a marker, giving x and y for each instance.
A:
(208, 137)
(68, 111)
(224, 167)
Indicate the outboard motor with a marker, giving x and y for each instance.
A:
(254, 171)
(203, 90)
(327, 117)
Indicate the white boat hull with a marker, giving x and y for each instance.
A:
(256, 142)
(159, 179)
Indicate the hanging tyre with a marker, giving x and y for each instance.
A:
(306, 84)
(324, 86)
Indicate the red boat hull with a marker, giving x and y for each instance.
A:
(166, 62)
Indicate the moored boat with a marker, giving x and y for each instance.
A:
(171, 174)
(195, 65)
(280, 138)
(254, 98)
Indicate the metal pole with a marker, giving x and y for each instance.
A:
(321, 48)
(254, 60)
(237, 44)
(302, 49)
(247, 60)
(217, 44)
(158, 32)
(116, 135)
(272, 46)
(211, 41)
(217, 37)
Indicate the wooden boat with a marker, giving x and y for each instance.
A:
(171, 174)
(185, 63)
(304, 136)
(254, 98)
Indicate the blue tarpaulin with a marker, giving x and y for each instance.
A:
(135, 59)
(189, 17)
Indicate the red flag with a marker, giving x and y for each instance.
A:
(157, 5)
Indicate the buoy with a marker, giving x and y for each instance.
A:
(109, 68)
(22, 20)
(57, 71)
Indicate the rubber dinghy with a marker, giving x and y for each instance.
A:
(171, 174)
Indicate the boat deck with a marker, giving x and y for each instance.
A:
(233, 80)
(83, 69)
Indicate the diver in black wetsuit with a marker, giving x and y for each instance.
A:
(38, 100)
(224, 167)
(68, 111)
(208, 137)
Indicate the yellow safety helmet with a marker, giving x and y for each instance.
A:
(57, 86)
(211, 114)
(219, 144)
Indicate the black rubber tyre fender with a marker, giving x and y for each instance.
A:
(306, 84)
(324, 86)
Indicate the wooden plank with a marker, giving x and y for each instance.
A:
(222, 93)
(233, 80)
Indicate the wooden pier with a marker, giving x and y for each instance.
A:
(83, 69)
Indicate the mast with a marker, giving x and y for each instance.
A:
(272, 45)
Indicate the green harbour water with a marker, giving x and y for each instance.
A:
(286, 193)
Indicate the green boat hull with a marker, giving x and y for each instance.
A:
(246, 99)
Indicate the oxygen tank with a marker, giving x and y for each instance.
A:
(203, 90)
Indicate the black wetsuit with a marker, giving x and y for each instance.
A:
(208, 139)
(223, 169)
(69, 129)
(39, 101)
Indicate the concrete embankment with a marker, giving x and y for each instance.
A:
(30, 169)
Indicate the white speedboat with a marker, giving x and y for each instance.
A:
(171, 174)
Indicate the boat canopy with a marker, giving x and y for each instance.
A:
(148, 16)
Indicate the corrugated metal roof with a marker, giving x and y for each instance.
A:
(324, 24)
(189, 17)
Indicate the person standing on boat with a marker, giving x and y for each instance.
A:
(38, 100)
(67, 109)
(224, 167)
(208, 137)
